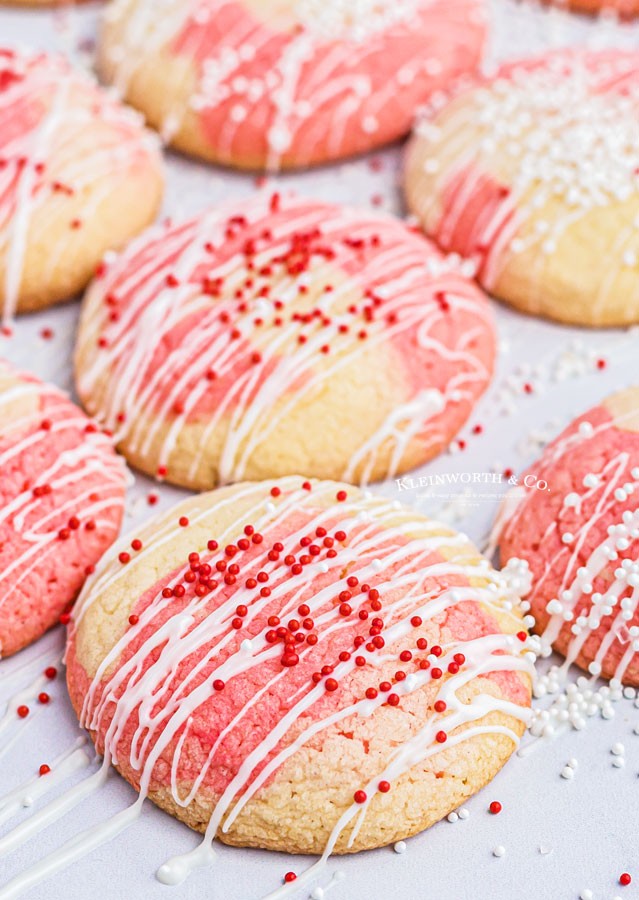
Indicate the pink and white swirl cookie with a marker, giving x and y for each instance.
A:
(300, 666)
(533, 174)
(277, 336)
(79, 175)
(61, 502)
(282, 83)
(575, 519)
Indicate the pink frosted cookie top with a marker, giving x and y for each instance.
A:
(575, 521)
(311, 80)
(61, 502)
(217, 318)
(564, 125)
(319, 609)
(44, 101)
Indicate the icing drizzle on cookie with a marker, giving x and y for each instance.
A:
(59, 498)
(408, 570)
(264, 74)
(564, 129)
(231, 322)
(597, 596)
(49, 156)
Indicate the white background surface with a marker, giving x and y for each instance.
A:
(591, 823)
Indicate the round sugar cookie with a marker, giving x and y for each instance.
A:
(79, 175)
(532, 175)
(575, 520)
(278, 84)
(329, 666)
(282, 335)
(61, 503)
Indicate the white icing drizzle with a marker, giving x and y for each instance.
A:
(92, 455)
(308, 56)
(40, 166)
(609, 489)
(182, 635)
(566, 130)
(260, 311)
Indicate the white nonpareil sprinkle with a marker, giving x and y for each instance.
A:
(567, 773)
(586, 894)
(617, 749)
(400, 847)
(499, 850)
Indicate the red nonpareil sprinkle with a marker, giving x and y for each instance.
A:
(124, 557)
(290, 876)
(307, 485)
(133, 619)
(51, 672)
(495, 807)
(384, 787)
(44, 769)
(360, 797)
(528, 388)
(393, 700)
(183, 521)
(416, 621)
(330, 684)
(341, 496)
(625, 879)
(218, 685)
(152, 499)
(601, 363)
(43, 697)
(136, 544)
(440, 706)
(522, 635)
(275, 492)
(441, 737)
(23, 711)
(65, 618)
(436, 672)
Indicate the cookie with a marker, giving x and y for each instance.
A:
(61, 502)
(282, 335)
(575, 520)
(532, 175)
(79, 175)
(332, 669)
(278, 84)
